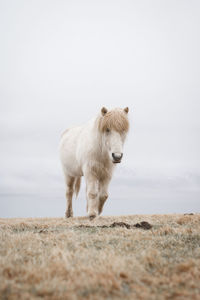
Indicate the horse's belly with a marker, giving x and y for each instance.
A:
(71, 167)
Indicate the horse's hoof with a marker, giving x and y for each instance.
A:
(92, 217)
(68, 215)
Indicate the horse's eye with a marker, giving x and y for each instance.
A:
(107, 130)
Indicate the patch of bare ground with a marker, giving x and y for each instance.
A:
(82, 259)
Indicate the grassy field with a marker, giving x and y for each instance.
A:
(82, 259)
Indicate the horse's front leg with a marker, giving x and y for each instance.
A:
(92, 191)
(103, 195)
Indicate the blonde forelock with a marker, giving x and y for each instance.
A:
(114, 120)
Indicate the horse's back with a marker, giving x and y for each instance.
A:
(76, 137)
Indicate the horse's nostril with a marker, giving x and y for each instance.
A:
(117, 156)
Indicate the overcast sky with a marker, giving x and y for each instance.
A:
(61, 61)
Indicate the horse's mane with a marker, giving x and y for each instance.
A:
(114, 119)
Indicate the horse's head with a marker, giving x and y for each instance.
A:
(114, 126)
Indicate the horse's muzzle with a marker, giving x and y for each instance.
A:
(117, 157)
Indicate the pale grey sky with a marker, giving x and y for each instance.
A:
(61, 61)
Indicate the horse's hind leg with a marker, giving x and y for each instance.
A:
(69, 195)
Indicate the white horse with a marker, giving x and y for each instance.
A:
(92, 150)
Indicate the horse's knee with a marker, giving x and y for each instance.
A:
(103, 198)
(92, 195)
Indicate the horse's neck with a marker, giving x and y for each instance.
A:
(98, 150)
(97, 146)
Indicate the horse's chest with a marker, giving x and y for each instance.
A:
(101, 171)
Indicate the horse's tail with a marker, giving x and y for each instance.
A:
(77, 185)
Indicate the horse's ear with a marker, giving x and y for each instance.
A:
(126, 110)
(104, 111)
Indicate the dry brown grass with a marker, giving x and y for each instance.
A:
(57, 259)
